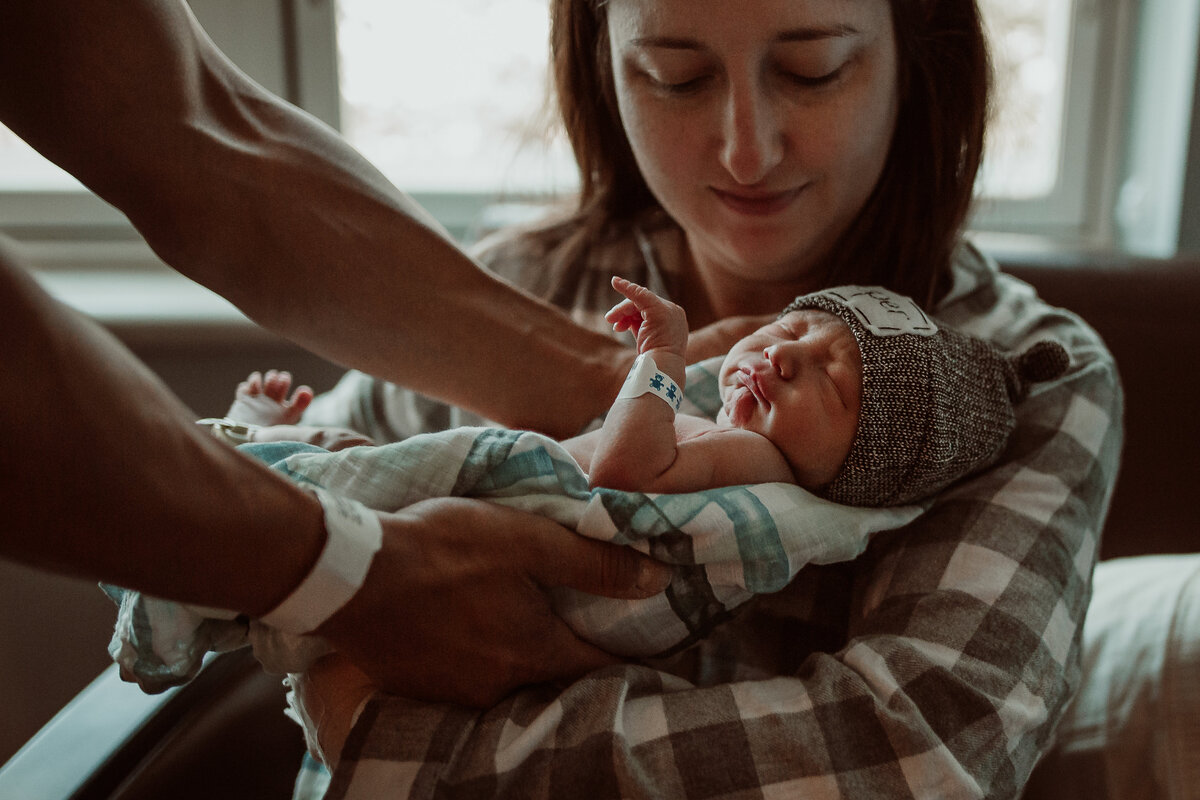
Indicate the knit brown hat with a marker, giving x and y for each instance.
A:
(937, 405)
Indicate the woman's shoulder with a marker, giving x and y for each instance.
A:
(985, 301)
(565, 260)
(523, 254)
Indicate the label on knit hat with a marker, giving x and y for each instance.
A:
(883, 312)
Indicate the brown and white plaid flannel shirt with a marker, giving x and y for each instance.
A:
(935, 665)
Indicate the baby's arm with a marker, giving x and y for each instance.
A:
(637, 442)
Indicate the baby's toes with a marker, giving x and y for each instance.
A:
(252, 385)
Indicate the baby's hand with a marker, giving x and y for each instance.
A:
(265, 401)
(656, 324)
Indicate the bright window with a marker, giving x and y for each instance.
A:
(452, 96)
(1030, 45)
(450, 100)
(23, 170)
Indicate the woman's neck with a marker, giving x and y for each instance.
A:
(709, 292)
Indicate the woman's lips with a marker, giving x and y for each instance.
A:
(757, 204)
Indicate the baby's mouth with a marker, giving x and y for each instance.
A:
(746, 377)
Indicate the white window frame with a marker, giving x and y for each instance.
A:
(1069, 210)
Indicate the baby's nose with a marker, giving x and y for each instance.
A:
(777, 357)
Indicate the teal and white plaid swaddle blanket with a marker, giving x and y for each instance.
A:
(728, 544)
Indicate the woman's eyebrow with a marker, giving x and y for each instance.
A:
(803, 34)
(666, 43)
(810, 34)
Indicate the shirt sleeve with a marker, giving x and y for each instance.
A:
(936, 665)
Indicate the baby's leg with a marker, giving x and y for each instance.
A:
(263, 400)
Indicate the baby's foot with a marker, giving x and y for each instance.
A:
(263, 400)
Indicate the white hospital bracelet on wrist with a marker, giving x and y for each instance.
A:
(645, 376)
(353, 537)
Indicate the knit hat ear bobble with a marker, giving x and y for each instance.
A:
(937, 405)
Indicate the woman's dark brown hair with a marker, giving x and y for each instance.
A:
(906, 233)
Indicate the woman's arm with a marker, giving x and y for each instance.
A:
(270, 208)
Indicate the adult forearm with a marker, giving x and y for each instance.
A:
(273, 210)
(104, 476)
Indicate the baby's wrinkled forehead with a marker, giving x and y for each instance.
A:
(816, 318)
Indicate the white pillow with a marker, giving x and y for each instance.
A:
(1133, 731)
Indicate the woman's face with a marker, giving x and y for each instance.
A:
(762, 126)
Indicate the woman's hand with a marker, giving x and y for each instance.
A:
(454, 607)
(717, 338)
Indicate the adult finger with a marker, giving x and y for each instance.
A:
(597, 567)
(565, 656)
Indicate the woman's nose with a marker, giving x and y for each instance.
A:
(753, 138)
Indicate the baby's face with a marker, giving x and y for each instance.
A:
(798, 382)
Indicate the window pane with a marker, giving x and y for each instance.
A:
(452, 95)
(1030, 44)
(22, 169)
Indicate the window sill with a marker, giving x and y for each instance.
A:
(151, 307)
(160, 307)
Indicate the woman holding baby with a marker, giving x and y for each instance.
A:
(734, 156)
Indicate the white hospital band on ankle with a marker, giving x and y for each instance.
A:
(229, 430)
(645, 376)
(353, 537)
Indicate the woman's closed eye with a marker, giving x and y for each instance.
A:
(694, 84)
(678, 86)
(814, 81)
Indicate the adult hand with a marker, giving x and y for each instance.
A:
(454, 606)
(717, 338)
